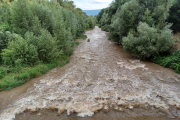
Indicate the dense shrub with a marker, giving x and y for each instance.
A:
(81, 27)
(106, 15)
(21, 17)
(5, 37)
(19, 52)
(43, 44)
(44, 15)
(63, 33)
(103, 22)
(125, 20)
(174, 16)
(5, 27)
(5, 12)
(91, 22)
(149, 41)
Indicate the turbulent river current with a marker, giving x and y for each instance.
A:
(101, 82)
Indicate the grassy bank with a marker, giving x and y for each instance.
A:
(14, 77)
(170, 61)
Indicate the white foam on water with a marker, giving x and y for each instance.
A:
(85, 114)
(133, 64)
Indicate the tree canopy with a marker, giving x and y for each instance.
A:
(48, 29)
(140, 25)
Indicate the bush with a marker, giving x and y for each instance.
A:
(24, 76)
(90, 22)
(5, 27)
(44, 16)
(62, 32)
(45, 44)
(124, 20)
(21, 16)
(5, 14)
(149, 42)
(174, 16)
(19, 52)
(5, 37)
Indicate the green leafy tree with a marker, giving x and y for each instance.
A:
(19, 52)
(45, 44)
(126, 25)
(50, 27)
(44, 15)
(21, 16)
(5, 12)
(125, 19)
(148, 17)
(174, 16)
(5, 37)
(149, 41)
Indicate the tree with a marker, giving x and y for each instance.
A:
(21, 16)
(19, 52)
(123, 18)
(149, 41)
(174, 16)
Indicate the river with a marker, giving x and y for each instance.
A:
(101, 82)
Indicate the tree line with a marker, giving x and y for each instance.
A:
(39, 30)
(144, 27)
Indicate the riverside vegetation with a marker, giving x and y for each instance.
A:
(144, 28)
(36, 36)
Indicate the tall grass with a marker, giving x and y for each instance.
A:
(82, 37)
(170, 61)
(12, 78)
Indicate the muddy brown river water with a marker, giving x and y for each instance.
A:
(101, 82)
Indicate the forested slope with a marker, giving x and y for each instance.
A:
(34, 32)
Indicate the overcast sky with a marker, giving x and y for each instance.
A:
(92, 4)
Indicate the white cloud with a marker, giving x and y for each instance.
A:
(92, 4)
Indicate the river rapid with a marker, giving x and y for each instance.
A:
(101, 82)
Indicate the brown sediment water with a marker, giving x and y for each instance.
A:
(101, 82)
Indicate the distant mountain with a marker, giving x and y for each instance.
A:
(92, 12)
